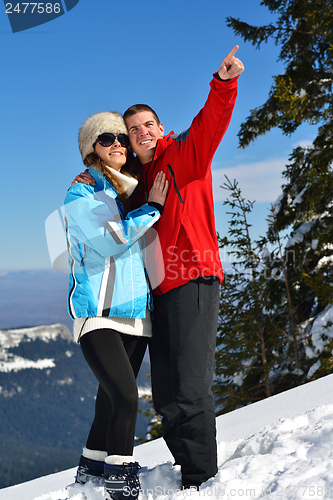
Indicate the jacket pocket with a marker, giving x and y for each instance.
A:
(190, 231)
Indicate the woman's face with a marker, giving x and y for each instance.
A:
(114, 156)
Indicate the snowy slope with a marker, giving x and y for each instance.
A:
(280, 448)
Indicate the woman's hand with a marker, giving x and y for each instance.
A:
(159, 190)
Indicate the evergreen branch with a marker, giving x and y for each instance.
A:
(259, 34)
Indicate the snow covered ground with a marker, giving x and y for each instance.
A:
(281, 447)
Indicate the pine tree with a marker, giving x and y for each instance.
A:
(248, 339)
(286, 304)
(303, 93)
(304, 30)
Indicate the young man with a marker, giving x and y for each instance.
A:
(186, 302)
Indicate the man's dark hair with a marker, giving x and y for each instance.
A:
(137, 108)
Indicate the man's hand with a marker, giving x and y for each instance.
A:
(231, 66)
(84, 178)
(159, 189)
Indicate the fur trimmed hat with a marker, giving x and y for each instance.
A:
(97, 124)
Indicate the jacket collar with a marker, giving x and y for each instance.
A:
(160, 148)
(162, 144)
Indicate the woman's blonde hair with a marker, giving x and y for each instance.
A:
(131, 167)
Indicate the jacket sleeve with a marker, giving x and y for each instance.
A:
(197, 146)
(94, 220)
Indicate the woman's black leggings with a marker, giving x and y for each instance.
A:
(115, 360)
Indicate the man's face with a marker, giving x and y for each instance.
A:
(143, 133)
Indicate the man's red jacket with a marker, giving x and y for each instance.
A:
(186, 229)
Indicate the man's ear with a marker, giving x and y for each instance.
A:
(161, 127)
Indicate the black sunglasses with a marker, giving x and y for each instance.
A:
(106, 140)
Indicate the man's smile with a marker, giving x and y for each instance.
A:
(146, 141)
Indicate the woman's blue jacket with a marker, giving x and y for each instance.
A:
(108, 277)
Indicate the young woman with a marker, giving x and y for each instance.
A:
(109, 295)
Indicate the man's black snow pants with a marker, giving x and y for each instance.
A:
(182, 362)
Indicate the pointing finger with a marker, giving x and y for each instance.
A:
(231, 53)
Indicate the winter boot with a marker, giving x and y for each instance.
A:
(91, 467)
(121, 478)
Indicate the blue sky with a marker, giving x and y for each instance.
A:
(105, 55)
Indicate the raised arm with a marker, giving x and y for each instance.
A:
(199, 143)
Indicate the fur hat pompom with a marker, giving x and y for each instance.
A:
(97, 124)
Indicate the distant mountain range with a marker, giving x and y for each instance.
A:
(29, 298)
(47, 395)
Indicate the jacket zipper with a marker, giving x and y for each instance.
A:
(172, 175)
(146, 185)
(84, 255)
(71, 270)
